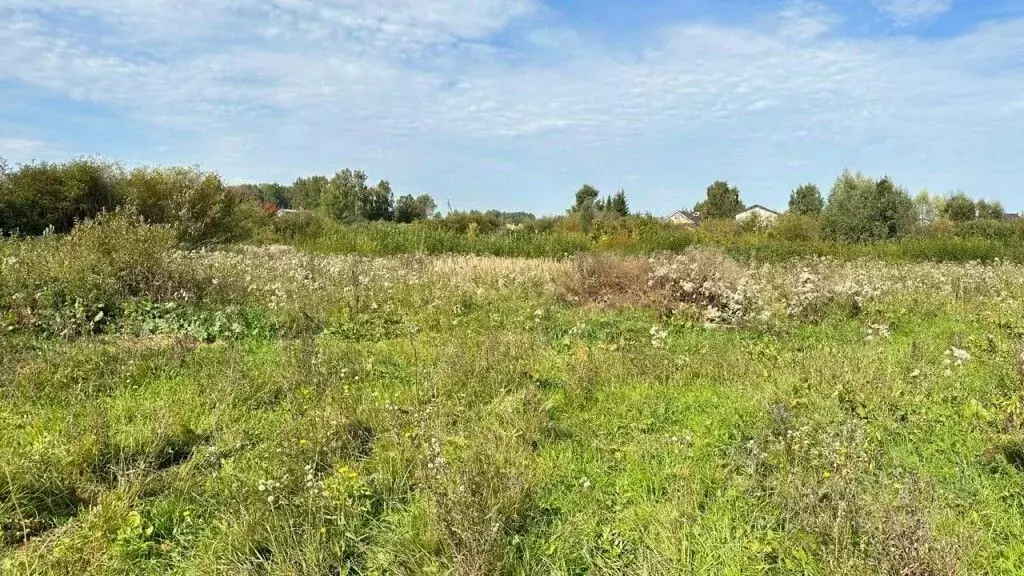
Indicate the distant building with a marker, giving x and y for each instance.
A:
(1012, 217)
(685, 218)
(765, 215)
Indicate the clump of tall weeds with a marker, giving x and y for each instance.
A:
(74, 285)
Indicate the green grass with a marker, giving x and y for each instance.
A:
(486, 426)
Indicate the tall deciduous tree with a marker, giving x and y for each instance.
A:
(990, 210)
(928, 208)
(410, 209)
(306, 192)
(587, 195)
(274, 193)
(806, 200)
(377, 202)
(722, 201)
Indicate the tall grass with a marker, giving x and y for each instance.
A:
(382, 239)
(379, 239)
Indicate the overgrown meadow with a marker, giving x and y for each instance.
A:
(265, 410)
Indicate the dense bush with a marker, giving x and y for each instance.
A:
(299, 225)
(860, 209)
(796, 228)
(75, 284)
(409, 209)
(1008, 231)
(37, 196)
(196, 203)
(464, 222)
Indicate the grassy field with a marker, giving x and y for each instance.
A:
(266, 411)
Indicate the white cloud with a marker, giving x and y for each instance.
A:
(399, 21)
(420, 92)
(806, 20)
(19, 147)
(908, 12)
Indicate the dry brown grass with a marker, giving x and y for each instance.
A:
(473, 272)
(612, 281)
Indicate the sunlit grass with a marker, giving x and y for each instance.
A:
(466, 415)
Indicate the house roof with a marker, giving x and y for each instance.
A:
(1011, 216)
(765, 208)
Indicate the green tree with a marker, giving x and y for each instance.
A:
(990, 210)
(274, 193)
(722, 202)
(342, 197)
(426, 207)
(405, 209)
(377, 202)
(806, 200)
(586, 196)
(306, 192)
(960, 208)
(512, 217)
(860, 209)
(618, 204)
(410, 209)
(928, 208)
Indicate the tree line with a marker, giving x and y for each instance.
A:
(859, 208)
(347, 197)
(42, 196)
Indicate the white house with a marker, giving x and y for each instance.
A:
(765, 215)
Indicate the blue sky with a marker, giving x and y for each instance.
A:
(514, 104)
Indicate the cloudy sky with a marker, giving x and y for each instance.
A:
(516, 103)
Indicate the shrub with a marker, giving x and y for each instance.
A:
(720, 229)
(937, 229)
(753, 224)
(860, 209)
(796, 228)
(76, 284)
(988, 228)
(461, 222)
(195, 203)
(301, 225)
(38, 196)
